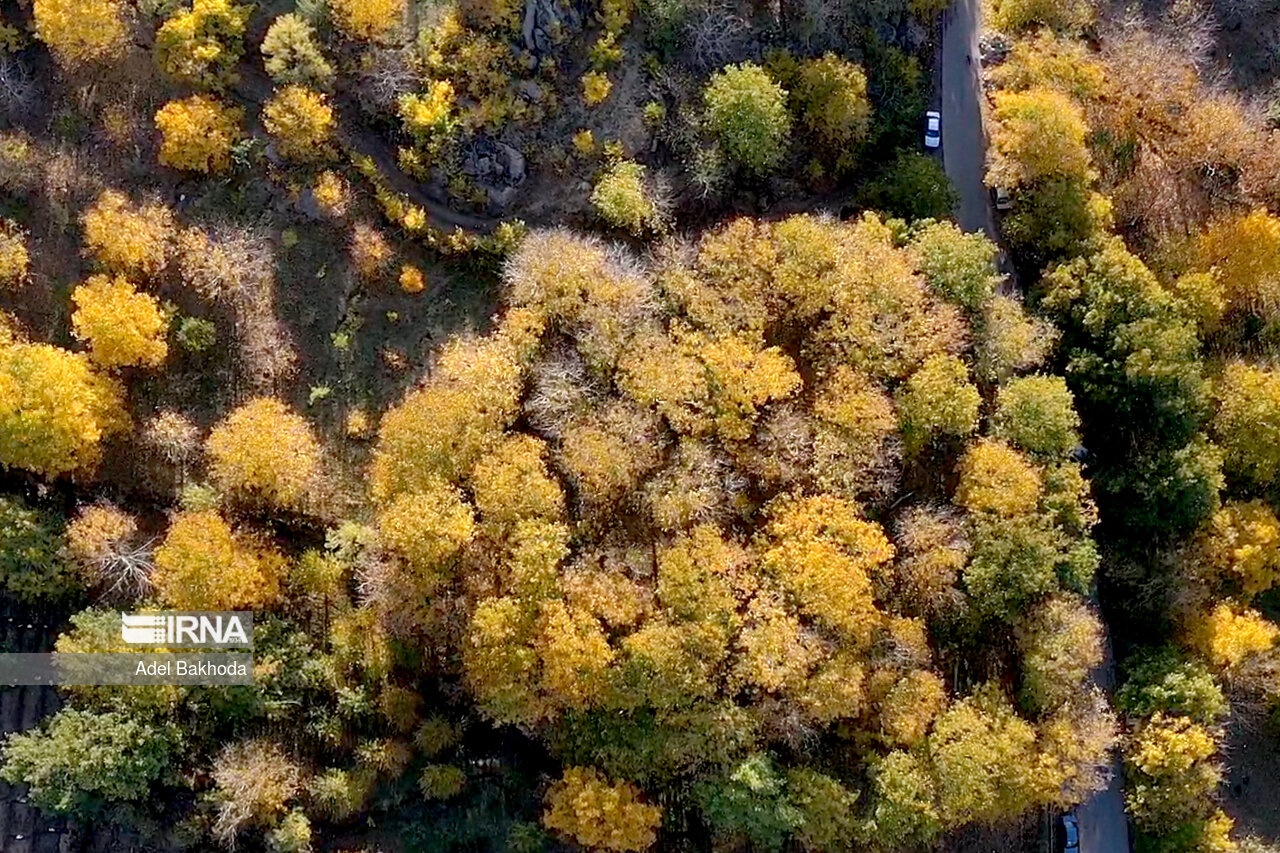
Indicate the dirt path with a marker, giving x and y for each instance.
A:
(255, 87)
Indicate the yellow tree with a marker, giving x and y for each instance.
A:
(302, 123)
(14, 259)
(1038, 133)
(1247, 423)
(1244, 253)
(512, 483)
(264, 451)
(79, 32)
(442, 429)
(996, 478)
(368, 20)
(1240, 548)
(121, 326)
(1228, 634)
(825, 555)
(197, 134)
(203, 565)
(584, 806)
(128, 238)
(201, 45)
(427, 529)
(55, 410)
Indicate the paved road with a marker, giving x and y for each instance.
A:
(964, 145)
(1103, 827)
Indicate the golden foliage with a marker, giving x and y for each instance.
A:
(128, 238)
(201, 45)
(197, 134)
(512, 483)
(427, 528)
(1240, 547)
(1243, 252)
(368, 20)
(998, 479)
(79, 32)
(584, 806)
(825, 556)
(1227, 635)
(442, 429)
(1039, 133)
(203, 565)
(14, 260)
(302, 123)
(263, 451)
(910, 708)
(411, 279)
(331, 192)
(96, 531)
(55, 410)
(122, 326)
(938, 400)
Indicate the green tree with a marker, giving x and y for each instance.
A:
(747, 110)
(830, 94)
(959, 266)
(1037, 414)
(912, 186)
(1163, 680)
(903, 806)
(750, 803)
(79, 761)
(31, 561)
(1056, 218)
(938, 400)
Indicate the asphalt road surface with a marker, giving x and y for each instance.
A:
(1103, 828)
(964, 146)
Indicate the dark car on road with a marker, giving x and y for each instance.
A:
(1069, 833)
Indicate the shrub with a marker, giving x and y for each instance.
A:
(201, 46)
(290, 53)
(79, 32)
(621, 199)
(196, 335)
(121, 326)
(302, 123)
(197, 134)
(595, 88)
(368, 20)
(747, 111)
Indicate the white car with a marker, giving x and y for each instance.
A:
(932, 129)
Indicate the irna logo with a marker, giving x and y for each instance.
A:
(188, 630)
